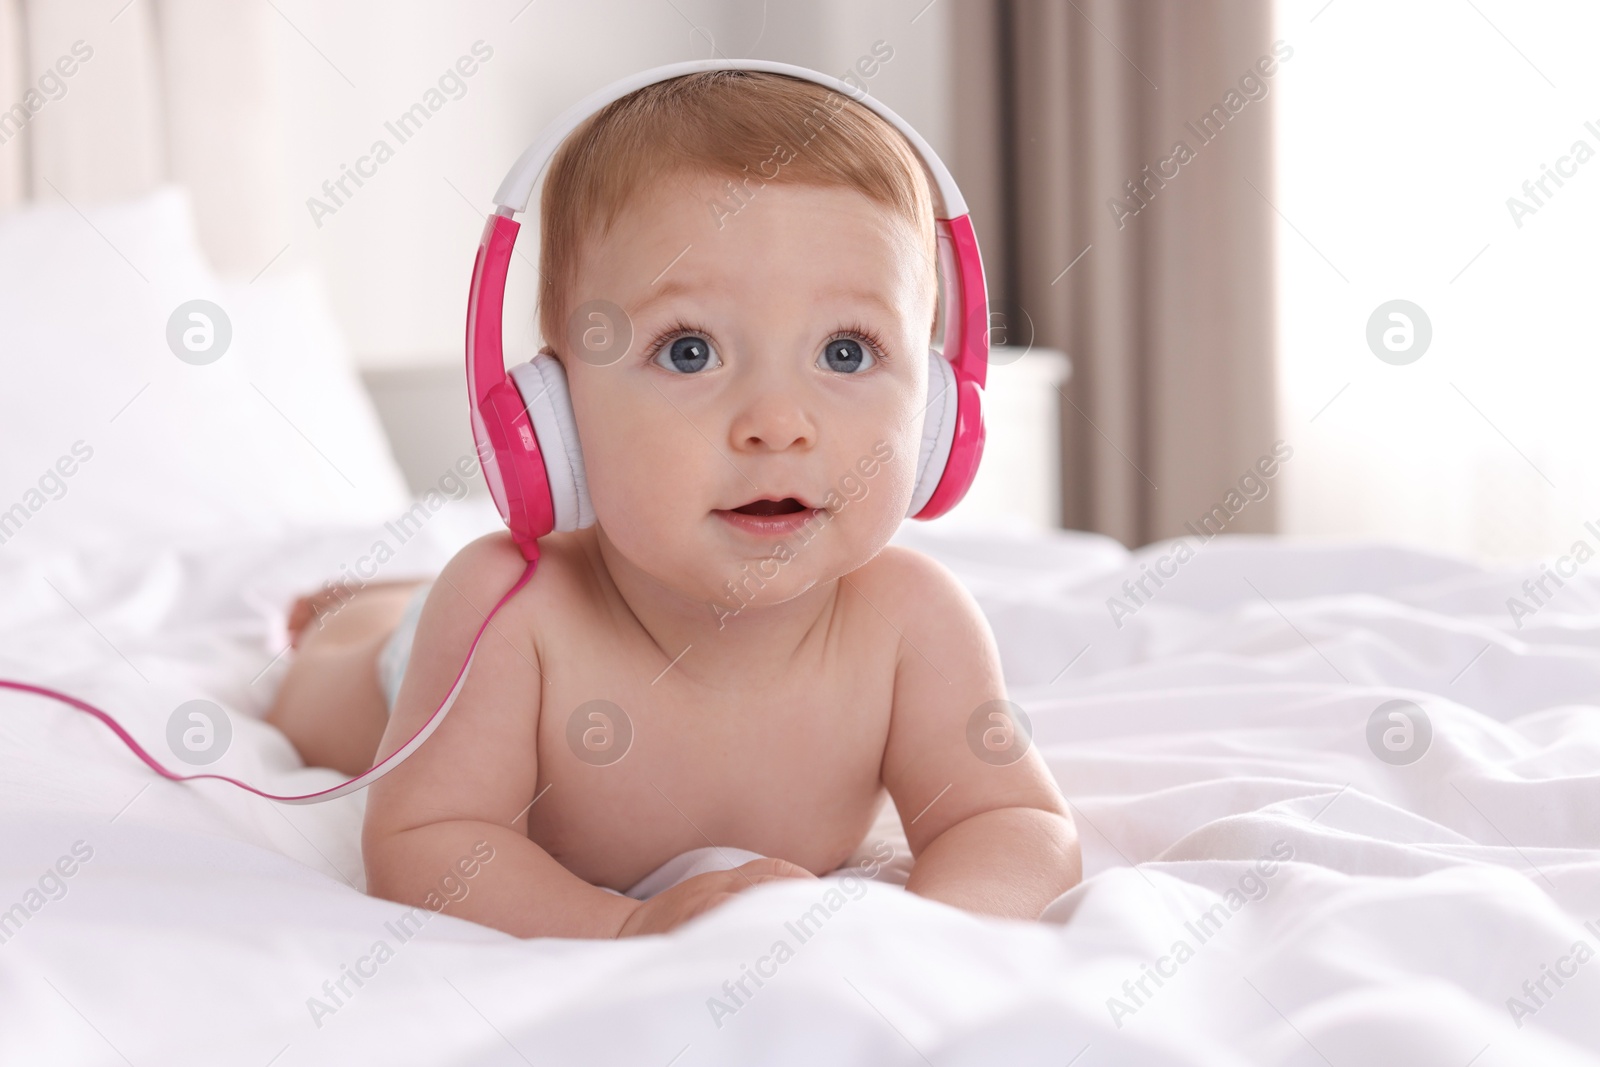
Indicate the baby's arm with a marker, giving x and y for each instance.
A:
(988, 835)
(470, 783)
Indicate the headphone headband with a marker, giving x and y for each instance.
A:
(517, 189)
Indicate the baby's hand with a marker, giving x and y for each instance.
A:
(673, 907)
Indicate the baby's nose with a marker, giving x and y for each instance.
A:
(774, 422)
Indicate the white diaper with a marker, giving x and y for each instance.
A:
(396, 651)
(685, 866)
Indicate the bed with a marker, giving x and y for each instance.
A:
(1338, 804)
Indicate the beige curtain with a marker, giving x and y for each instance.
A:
(1167, 309)
(172, 91)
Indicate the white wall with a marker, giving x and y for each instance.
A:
(397, 256)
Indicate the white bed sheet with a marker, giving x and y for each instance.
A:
(1225, 719)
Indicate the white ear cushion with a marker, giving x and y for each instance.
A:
(938, 430)
(543, 385)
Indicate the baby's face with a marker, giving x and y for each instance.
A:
(783, 355)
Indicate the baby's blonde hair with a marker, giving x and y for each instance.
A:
(742, 125)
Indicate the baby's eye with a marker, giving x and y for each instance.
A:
(846, 355)
(686, 355)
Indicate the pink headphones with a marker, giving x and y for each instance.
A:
(522, 420)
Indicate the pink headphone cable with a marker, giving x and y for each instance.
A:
(361, 781)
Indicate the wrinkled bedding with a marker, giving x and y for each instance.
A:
(1277, 869)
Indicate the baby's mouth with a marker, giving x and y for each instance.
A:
(788, 505)
(768, 517)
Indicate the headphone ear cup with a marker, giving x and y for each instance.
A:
(938, 430)
(543, 384)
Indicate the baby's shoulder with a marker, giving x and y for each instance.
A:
(946, 659)
(911, 581)
(484, 569)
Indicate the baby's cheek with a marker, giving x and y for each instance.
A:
(889, 469)
(636, 499)
(869, 497)
(632, 461)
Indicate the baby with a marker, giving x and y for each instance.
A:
(731, 655)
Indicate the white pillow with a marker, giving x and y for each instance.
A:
(108, 434)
